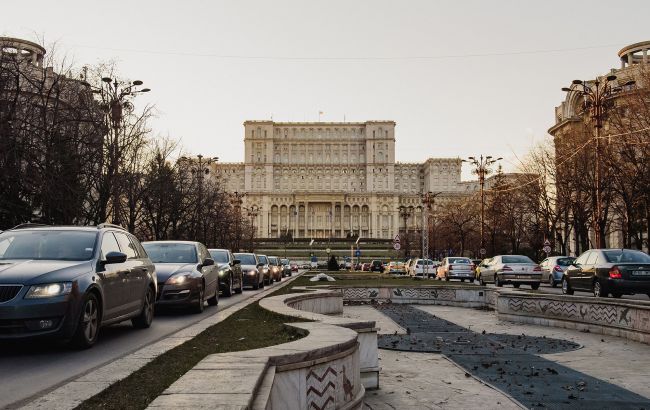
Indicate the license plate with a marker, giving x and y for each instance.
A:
(641, 273)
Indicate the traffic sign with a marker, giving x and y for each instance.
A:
(547, 242)
(357, 253)
(396, 239)
(396, 246)
(546, 249)
(328, 250)
(482, 251)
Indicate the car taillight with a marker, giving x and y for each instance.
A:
(506, 268)
(537, 269)
(615, 273)
(557, 268)
(417, 266)
(451, 267)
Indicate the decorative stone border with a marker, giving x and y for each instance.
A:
(329, 368)
(468, 296)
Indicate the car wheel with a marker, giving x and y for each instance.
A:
(256, 285)
(534, 286)
(598, 290)
(214, 300)
(566, 287)
(497, 281)
(481, 281)
(551, 281)
(240, 289)
(617, 295)
(198, 305)
(471, 280)
(228, 290)
(144, 319)
(446, 277)
(462, 279)
(89, 321)
(516, 285)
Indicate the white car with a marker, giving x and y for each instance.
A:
(454, 267)
(423, 267)
(514, 269)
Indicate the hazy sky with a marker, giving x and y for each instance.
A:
(459, 77)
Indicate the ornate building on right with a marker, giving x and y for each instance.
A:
(601, 136)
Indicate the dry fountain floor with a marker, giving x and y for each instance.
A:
(470, 349)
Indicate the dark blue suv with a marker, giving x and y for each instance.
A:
(67, 282)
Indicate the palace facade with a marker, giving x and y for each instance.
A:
(327, 179)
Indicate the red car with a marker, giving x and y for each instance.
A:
(294, 267)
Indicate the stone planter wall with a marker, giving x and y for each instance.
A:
(468, 296)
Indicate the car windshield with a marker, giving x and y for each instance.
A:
(161, 252)
(246, 258)
(464, 261)
(565, 261)
(516, 259)
(623, 256)
(273, 260)
(66, 245)
(263, 259)
(219, 256)
(285, 261)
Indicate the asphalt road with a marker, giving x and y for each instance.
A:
(30, 369)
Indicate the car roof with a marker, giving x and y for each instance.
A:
(37, 227)
(218, 249)
(171, 241)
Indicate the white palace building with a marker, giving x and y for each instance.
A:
(333, 179)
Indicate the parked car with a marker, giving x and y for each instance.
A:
(476, 263)
(395, 268)
(609, 271)
(252, 270)
(454, 267)
(511, 269)
(276, 268)
(286, 267)
(187, 275)
(482, 264)
(365, 267)
(265, 268)
(553, 268)
(294, 267)
(231, 278)
(407, 266)
(68, 282)
(377, 266)
(422, 267)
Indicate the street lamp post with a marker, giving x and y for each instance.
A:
(237, 202)
(199, 169)
(482, 168)
(115, 97)
(428, 200)
(596, 94)
(405, 213)
(253, 211)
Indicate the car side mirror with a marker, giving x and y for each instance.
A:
(260, 265)
(115, 257)
(208, 262)
(236, 262)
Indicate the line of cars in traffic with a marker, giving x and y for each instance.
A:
(603, 272)
(66, 282)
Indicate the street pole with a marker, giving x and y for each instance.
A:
(596, 93)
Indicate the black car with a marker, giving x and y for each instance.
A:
(68, 282)
(187, 275)
(230, 274)
(286, 267)
(608, 271)
(252, 270)
(376, 266)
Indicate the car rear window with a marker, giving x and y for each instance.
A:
(516, 259)
(626, 256)
(161, 252)
(460, 261)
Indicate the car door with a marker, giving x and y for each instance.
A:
(210, 273)
(134, 276)
(574, 271)
(488, 271)
(113, 278)
(588, 271)
(545, 269)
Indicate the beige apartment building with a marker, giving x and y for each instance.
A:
(334, 179)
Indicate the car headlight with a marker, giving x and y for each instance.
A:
(252, 272)
(49, 290)
(222, 272)
(178, 279)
